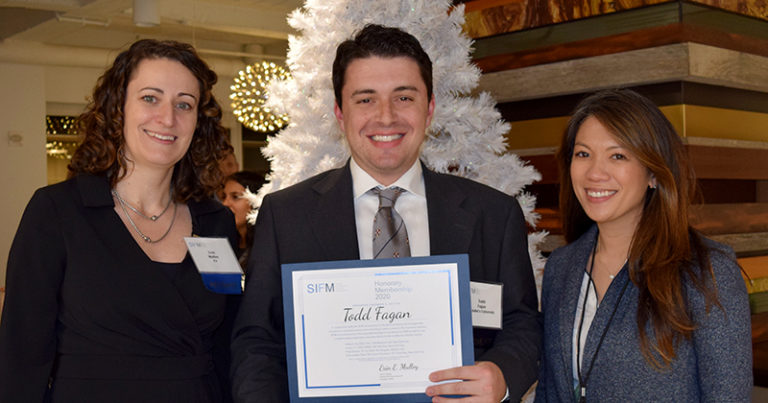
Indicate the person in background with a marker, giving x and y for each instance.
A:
(104, 304)
(228, 163)
(638, 306)
(231, 195)
(382, 80)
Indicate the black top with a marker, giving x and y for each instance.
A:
(87, 308)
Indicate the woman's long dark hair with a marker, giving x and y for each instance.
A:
(665, 249)
(101, 152)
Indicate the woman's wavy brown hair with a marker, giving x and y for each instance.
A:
(101, 152)
(665, 250)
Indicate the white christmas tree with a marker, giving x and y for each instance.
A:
(466, 137)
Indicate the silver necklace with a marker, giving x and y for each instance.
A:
(135, 210)
(136, 228)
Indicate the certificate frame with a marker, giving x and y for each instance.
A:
(426, 263)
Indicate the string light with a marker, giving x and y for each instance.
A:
(60, 124)
(60, 149)
(249, 95)
(60, 128)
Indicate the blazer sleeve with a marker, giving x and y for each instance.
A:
(723, 338)
(258, 345)
(516, 347)
(28, 329)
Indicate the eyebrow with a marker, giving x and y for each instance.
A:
(578, 143)
(406, 88)
(398, 89)
(163, 92)
(365, 91)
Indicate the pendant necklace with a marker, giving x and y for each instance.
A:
(612, 276)
(146, 239)
(135, 210)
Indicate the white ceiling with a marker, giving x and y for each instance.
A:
(242, 29)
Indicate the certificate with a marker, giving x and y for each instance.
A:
(375, 328)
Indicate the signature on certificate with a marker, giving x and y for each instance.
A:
(402, 366)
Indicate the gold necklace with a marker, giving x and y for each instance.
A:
(133, 224)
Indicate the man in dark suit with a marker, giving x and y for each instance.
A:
(383, 84)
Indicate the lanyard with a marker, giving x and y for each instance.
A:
(582, 388)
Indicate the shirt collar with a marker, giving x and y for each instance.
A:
(412, 180)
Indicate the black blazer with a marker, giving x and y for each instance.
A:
(86, 307)
(315, 221)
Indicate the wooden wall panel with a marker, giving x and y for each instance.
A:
(729, 218)
(756, 267)
(729, 163)
(485, 18)
(691, 62)
(513, 58)
(751, 8)
(547, 167)
(492, 17)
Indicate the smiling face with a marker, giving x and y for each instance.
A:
(160, 112)
(386, 115)
(608, 180)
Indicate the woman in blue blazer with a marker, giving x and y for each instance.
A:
(638, 306)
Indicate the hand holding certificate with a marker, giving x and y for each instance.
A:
(375, 327)
(484, 381)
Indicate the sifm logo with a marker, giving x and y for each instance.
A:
(320, 288)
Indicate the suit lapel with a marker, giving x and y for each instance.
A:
(450, 226)
(333, 220)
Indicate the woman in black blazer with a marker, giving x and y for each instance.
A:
(638, 306)
(104, 304)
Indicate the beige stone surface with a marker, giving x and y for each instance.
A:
(683, 61)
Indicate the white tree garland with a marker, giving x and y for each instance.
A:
(466, 137)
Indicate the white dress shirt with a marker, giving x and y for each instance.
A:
(589, 315)
(411, 205)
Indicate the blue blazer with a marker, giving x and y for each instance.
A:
(715, 365)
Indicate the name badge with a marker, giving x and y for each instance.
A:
(217, 264)
(486, 304)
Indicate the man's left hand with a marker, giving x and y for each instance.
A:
(482, 382)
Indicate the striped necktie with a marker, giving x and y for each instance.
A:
(390, 238)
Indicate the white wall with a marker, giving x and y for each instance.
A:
(22, 167)
(228, 119)
(70, 85)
